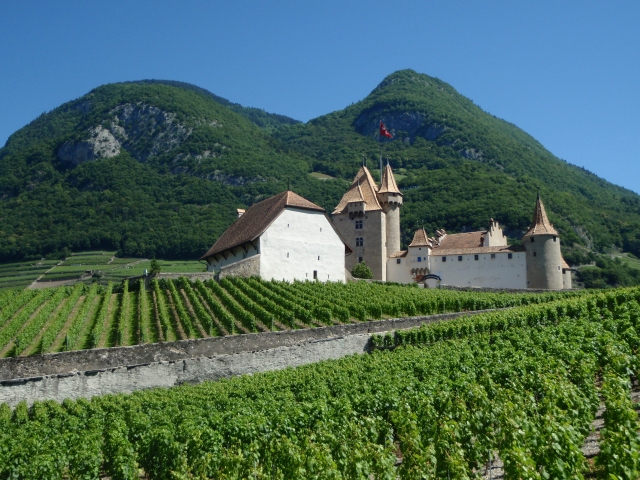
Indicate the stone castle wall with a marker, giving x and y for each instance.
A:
(87, 373)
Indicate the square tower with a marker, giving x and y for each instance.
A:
(368, 218)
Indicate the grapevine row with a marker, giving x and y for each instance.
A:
(218, 310)
(98, 325)
(442, 400)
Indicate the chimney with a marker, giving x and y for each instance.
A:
(240, 212)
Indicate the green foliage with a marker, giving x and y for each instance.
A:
(608, 272)
(155, 267)
(444, 398)
(460, 166)
(361, 270)
(58, 319)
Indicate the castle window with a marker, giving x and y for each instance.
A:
(555, 239)
(510, 256)
(318, 257)
(532, 239)
(534, 254)
(459, 258)
(287, 254)
(358, 224)
(419, 259)
(359, 241)
(493, 256)
(444, 259)
(558, 267)
(360, 259)
(398, 261)
(320, 228)
(475, 257)
(315, 274)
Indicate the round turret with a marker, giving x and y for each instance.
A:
(390, 199)
(544, 258)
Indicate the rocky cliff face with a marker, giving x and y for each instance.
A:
(405, 126)
(142, 130)
(100, 144)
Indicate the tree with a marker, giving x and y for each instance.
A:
(155, 267)
(361, 270)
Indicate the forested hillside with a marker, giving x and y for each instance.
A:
(159, 167)
(144, 169)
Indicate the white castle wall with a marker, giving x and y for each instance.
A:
(299, 242)
(399, 272)
(500, 272)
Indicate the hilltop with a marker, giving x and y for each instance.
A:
(158, 167)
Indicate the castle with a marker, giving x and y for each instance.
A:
(368, 218)
(287, 237)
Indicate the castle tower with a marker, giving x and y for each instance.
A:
(542, 246)
(390, 199)
(362, 223)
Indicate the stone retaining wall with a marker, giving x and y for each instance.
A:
(87, 373)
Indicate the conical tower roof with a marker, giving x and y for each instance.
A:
(389, 184)
(420, 239)
(363, 188)
(541, 224)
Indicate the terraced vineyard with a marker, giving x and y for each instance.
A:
(107, 267)
(90, 316)
(521, 386)
(21, 274)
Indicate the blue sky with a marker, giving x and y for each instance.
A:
(566, 72)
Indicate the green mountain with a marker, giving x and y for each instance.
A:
(148, 169)
(463, 165)
(159, 167)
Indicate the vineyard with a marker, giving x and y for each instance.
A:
(440, 401)
(91, 316)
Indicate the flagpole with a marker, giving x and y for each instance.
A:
(381, 144)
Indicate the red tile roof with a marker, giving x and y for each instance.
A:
(420, 239)
(257, 219)
(462, 240)
(389, 182)
(363, 188)
(541, 224)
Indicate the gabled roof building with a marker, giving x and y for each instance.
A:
(285, 237)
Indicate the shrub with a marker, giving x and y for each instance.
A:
(361, 270)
